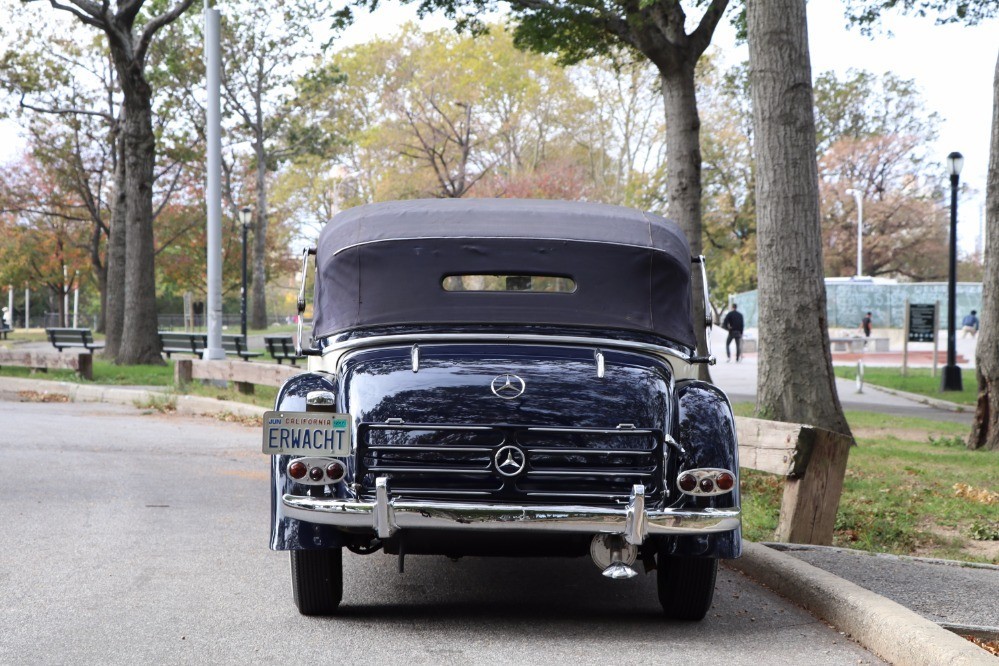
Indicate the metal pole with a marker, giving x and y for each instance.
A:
(27, 308)
(858, 196)
(10, 304)
(242, 291)
(65, 296)
(951, 373)
(860, 233)
(213, 66)
(76, 304)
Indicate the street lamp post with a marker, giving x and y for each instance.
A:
(951, 380)
(245, 215)
(859, 198)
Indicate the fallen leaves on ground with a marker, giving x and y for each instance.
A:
(229, 417)
(41, 396)
(988, 646)
(980, 495)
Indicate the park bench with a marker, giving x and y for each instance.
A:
(857, 344)
(4, 330)
(182, 343)
(236, 345)
(61, 338)
(281, 347)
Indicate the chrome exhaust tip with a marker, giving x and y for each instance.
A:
(614, 556)
(619, 571)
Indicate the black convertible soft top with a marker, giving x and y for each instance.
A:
(385, 264)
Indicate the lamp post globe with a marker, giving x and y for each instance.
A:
(245, 218)
(951, 378)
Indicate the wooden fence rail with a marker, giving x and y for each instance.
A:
(82, 362)
(244, 375)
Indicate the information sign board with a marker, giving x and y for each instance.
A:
(922, 317)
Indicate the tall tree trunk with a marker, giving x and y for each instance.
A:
(115, 320)
(985, 429)
(258, 310)
(100, 271)
(683, 163)
(795, 381)
(139, 340)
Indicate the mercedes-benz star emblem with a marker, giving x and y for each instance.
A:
(508, 387)
(510, 461)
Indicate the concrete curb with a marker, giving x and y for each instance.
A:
(186, 404)
(922, 399)
(893, 632)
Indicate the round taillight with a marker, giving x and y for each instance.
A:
(316, 473)
(687, 482)
(724, 481)
(297, 470)
(707, 485)
(335, 471)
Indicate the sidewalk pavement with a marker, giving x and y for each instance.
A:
(738, 380)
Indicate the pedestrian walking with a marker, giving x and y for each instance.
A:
(865, 325)
(970, 325)
(734, 324)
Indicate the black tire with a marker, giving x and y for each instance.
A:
(317, 580)
(686, 586)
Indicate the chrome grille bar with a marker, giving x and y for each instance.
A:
(435, 449)
(589, 472)
(427, 470)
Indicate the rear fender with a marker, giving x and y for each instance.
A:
(288, 533)
(706, 431)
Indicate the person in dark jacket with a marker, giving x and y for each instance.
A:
(970, 325)
(734, 324)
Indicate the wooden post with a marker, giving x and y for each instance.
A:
(182, 371)
(808, 509)
(85, 366)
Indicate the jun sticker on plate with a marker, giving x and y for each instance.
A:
(301, 433)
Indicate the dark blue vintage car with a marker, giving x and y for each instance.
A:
(504, 377)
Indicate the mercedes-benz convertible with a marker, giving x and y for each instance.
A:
(501, 377)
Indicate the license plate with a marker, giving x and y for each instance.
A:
(306, 433)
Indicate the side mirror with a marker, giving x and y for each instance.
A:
(306, 253)
(708, 319)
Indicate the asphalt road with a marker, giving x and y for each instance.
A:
(131, 537)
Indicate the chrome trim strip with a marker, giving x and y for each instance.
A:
(502, 517)
(599, 356)
(590, 495)
(427, 470)
(415, 356)
(595, 431)
(440, 449)
(602, 472)
(413, 491)
(406, 426)
(523, 338)
(583, 452)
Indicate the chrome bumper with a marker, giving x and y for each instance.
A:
(385, 516)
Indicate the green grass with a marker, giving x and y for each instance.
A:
(108, 373)
(105, 372)
(911, 488)
(917, 380)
